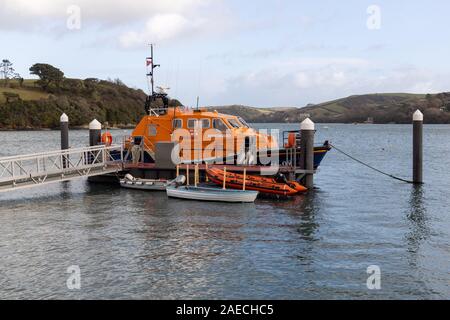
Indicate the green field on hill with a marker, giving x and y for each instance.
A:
(28, 91)
(380, 107)
(112, 102)
(29, 106)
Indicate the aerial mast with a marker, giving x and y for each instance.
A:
(151, 53)
(150, 75)
(152, 65)
(161, 94)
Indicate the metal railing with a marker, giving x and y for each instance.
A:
(146, 146)
(40, 168)
(149, 147)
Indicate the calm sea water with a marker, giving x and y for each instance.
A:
(132, 244)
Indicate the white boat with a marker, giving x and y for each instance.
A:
(211, 194)
(131, 182)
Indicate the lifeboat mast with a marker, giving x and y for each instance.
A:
(154, 96)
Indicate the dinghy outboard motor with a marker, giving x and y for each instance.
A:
(280, 178)
(180, 180)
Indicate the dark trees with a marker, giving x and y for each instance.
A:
(47, 74)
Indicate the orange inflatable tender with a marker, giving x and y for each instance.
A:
(107, 138)
(297, 186)
(257, 183)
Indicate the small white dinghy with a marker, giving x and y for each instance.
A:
(209, 193)
(131, 182)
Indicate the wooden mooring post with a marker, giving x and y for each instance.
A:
(95, 137)
(224, 178)
(307, 131)
(418, 147)
(95, 133)
(64, 124)
(196, 172)
(187, 174)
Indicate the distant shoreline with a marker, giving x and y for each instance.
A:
(78, 128)
(252, 123)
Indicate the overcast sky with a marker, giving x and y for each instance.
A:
(259, 53)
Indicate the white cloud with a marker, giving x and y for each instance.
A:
(98, 11)
(333, 62)
(423, 87)
(330, 78)
(159, 28)
(147, 20)
(302, 80)
(165, 26)
(296, 83)
(307, 72)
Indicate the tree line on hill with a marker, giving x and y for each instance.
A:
(39, 103)
(7, 72)
(35, 104)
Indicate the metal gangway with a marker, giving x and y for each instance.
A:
(30, 170)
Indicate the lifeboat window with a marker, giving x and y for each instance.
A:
(234, 123)
(192, 123)
(206, 123)
(152, 130)
(177, 123)
(244, 122)
(219, 125)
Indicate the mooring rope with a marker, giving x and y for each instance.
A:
(369, 166)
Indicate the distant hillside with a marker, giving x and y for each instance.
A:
(382, 108)
(29, 107)
(252, 114)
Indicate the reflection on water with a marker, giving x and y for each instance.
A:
(303, 209)
(132, 244)
(417, 216)
(309, 207)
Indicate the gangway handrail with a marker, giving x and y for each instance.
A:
(29, 170)
(60, 152)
